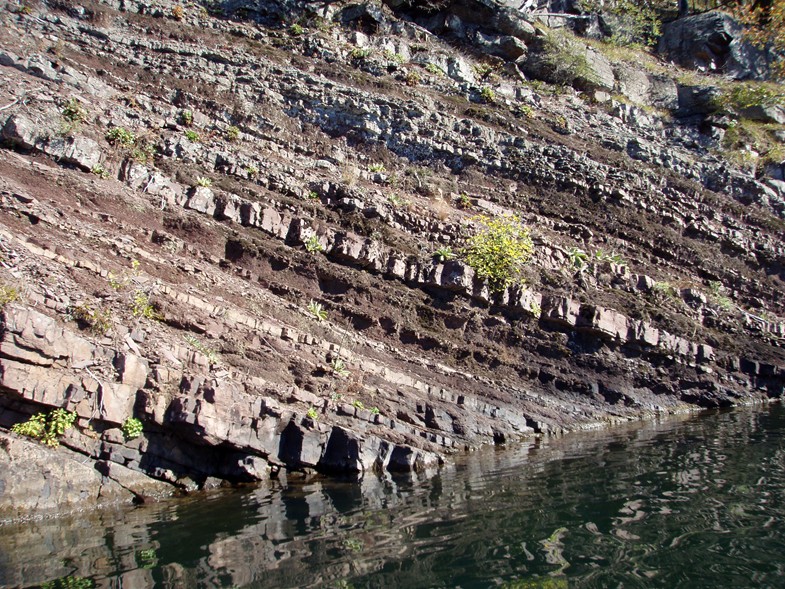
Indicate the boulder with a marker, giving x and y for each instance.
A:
(35, 479)
(713, 42)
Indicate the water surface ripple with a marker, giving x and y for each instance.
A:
(693, 502)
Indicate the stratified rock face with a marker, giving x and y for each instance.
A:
(268, 275)
(38, 480)
(712, 42)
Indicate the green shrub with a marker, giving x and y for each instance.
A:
(121, 136)
(339, 368)
(132, 428)
(192, 136)
(743, 95)
(296, 30)
(312, 414)
(47, 428)
(499, 249)
(211, 354)
(578, 258)
(203, 182)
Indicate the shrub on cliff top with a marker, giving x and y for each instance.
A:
(499, 249)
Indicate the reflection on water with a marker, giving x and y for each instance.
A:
(687, 503)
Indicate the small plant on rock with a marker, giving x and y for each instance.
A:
(376, 168)
(412, 78)
(98, 321)
(488, 95)
(212, 355)
(317, 311)
(312, 245)
(186, 117)
(100, 171)
(444, 254)
(132, 428)
(121, 136)
(359, 53)
(232, 133)
(74, 112)
(178, 13)
(339, 368)
(499, 249)
(463, 202)
(312, 414)
(203, 182)
(296, 30)
(666, 289)
(358, 404)
(192, 136)
(47, 428)
(141, 306)
(252, 171)
(8, 294)
(578, 258)
(69, 582)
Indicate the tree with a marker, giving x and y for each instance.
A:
(764, 21)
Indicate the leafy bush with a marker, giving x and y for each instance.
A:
(47, 428)
(204, 182)
(192, 136)
(132, 428)
(743, 95)
(499, 249)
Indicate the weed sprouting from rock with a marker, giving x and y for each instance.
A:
(47, 428)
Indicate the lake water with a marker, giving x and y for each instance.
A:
(693, 502)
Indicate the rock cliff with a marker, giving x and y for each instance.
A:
(225, 221)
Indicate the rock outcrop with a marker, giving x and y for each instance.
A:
(245, 235)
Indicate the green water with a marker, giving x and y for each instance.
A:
(697, 503)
